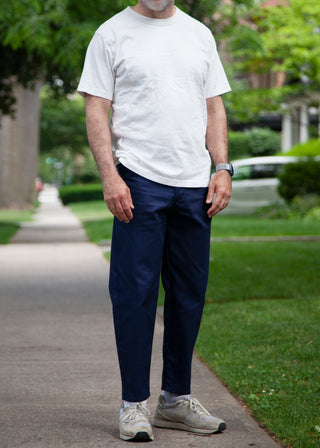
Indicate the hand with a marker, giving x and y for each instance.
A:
(220, 185)
(117, 196)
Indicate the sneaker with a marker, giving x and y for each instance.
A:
(134, 424)
(188, 415)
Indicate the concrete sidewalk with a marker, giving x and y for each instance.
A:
(59, 376)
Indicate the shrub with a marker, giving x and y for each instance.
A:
(306, 207)
(313, 214)
(298, 179)
(263, 142)
(79, 193)
(302, 205)
(238, 145)
(309, 149)
(253, 143)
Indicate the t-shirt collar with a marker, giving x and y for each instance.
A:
(151, 20)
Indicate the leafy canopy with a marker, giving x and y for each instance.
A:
(283, 38)
(46, 39)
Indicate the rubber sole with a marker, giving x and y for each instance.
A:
(141, 436)
(177, 425)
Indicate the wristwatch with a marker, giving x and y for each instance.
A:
(225, 166)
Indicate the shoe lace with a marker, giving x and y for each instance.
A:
(197, 407)
(136, 412)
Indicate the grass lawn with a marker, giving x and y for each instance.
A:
(10, 222)
(263, 270)
(91, 210)
(97, 221)
(261, 334)
(224, 226)
(260, 331)
(267, 352)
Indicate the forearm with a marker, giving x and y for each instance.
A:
(219, 190)
(116, 193)
(217, 132)
(99, 136)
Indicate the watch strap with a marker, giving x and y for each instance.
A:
(225, 166)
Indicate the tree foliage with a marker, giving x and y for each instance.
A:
(283, 38)
(63, 124)
(46, 40)
(299, 179)
(288, 40)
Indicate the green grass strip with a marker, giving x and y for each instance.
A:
(98, 231)
(7, 230)
(90, 210)
(267, 352)
(263, 270)
(10, 222)
(224, 226)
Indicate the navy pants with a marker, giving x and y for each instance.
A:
(169, 234)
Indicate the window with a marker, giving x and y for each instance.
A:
(242, 172)
(261, 171)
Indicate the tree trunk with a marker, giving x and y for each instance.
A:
(19, 149)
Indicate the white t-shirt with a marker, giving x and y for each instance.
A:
(158, 74)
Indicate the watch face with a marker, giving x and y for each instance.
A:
(231, 170)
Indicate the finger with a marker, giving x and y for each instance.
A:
(127, 205)
(126, 211)
(210, 194)
(121, 206)
(213, 210)
(124, 208)
(116, 209)
(220, 202)
(121, 212)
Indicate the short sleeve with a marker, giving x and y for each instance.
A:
(217, 81)
(98, 75)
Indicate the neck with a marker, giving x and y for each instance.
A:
(141, 9)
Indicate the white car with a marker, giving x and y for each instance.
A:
(255, 183)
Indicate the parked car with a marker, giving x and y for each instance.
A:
(255, 183)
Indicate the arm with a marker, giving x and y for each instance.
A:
(116, 193)
(217, 144)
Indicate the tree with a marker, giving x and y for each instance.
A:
(283, 38)
(44, 42)
(41, 41)
(48, 39)
(286, 38)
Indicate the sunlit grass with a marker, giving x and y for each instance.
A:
(224, 226)
(267, 352)
(91, 210)
(10, 222)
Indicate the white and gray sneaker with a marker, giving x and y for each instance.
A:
(134, 424)
(188, 415)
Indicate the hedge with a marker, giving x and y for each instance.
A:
(298, 179)
(253, 143)
(80, 193)
(238, 145)
(263, 142)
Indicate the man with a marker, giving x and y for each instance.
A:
(159, 70)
